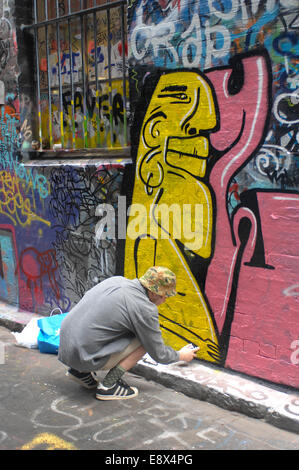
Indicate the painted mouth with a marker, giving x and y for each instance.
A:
(195, 147)
(188, 154)
(185, 154)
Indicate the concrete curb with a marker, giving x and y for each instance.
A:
(275, 404)
(13, 319)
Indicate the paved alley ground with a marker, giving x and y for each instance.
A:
(40, 408)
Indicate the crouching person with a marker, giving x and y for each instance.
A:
(113, 326)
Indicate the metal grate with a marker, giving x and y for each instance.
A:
(82, 81)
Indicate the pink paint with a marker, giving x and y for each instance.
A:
(242, 121)
(30, 266)
(35, 265)
(242, 118)
(30, 300)
(266, 311)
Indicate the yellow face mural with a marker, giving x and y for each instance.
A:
(181, 108)
(170, 167)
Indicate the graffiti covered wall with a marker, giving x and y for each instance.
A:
(67, 255)
(51, 249)
(9, 133)
(214, 132)
(214, 92)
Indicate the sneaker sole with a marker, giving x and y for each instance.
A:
(78, 381)
(117, 397)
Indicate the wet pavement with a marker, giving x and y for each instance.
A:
(42, 409)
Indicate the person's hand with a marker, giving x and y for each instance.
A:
(188, 352)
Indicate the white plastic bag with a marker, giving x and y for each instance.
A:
(28, 336)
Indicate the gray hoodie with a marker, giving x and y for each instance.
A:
(106, 320)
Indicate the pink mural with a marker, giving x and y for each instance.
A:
(264, 325)
(36, 266)
(254, 267)
(241, 136)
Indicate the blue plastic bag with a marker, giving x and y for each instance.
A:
(49, 334)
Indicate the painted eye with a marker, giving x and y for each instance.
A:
(181, 96)
(177, 96)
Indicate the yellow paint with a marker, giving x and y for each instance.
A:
(17, 200)
(50, 440)
(170, 170)
(61, 124)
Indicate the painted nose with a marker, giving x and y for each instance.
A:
(190, 130)
(202, 115)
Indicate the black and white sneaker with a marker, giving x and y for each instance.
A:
(87, 379)
(120, 391)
